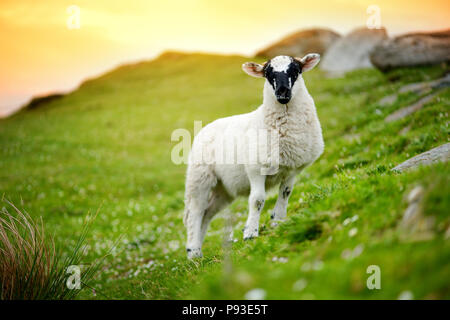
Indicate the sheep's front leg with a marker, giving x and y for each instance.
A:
(255, 205)
(279, 212)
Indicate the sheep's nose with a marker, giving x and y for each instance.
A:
(282, 91)
(283, 95)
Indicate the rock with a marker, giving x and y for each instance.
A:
(413, 212)
(443, 82)
(422, 87)
(412, 50)
(411, 215)
(417, 87)
(352, 51)
(438, 154)
(406, 111)
(415, 226)
(426, 86)
(388, 100)
(301, 43)
(405, 130)
(416, 194)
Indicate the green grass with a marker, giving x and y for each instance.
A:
(108, 144)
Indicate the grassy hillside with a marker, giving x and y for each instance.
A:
(108, 145)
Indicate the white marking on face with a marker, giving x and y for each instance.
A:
(290, 83)
(280, 63)
(274, 83)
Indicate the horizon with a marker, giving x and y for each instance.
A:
(42, 55)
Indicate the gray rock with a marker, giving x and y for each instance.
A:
(388, 100)
(352, 51)
(417, 87)
(405, 130)
(301, 43)
(438, 154)
(412, 50)
(415, 225)
(406, 111)
(415, 195)
(421, 87)
(411, 215)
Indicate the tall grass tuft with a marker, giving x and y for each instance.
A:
(31, 265)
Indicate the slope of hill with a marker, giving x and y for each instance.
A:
(108, 145)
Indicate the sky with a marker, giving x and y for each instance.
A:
(45, 48)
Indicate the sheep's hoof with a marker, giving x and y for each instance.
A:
(194, 253)
(250, 234)
(275, 222)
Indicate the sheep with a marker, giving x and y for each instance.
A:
(287, 110)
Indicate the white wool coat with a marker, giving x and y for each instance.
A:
(296, 125)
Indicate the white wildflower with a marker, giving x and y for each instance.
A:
(306, 266)
(318, 265)
(348, 254)
(406, 295)
(256, 294)
(358, 250)
(353, 232)
(299, 285)
(174, 245)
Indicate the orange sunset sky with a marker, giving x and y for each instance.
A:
(40, 54)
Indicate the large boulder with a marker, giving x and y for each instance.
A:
(412, 50)
(352, 51)
(301, 43)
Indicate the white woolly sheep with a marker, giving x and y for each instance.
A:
(288, 113)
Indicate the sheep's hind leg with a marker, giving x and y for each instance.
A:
(219, 199)
(199, 185)
(197, 210)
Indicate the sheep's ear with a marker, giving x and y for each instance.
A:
(254, 69)
(309, 61)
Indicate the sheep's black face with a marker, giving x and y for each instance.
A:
(282, 72)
